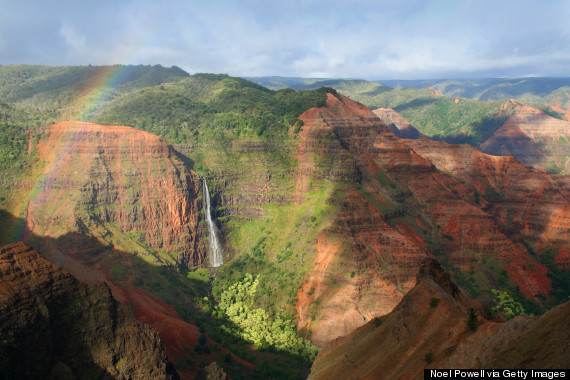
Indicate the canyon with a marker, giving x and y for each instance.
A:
(115, 182)
(334, 212)
(109, 204)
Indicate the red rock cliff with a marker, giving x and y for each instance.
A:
(126, 187)
(368, 260)
(533, 137)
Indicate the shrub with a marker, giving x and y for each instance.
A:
(428, 357)
(472, 322)
(377, 321)
(506, 304)
(433, 302)
(298, 126)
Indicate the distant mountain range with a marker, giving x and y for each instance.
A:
(480, 112)
(528, 89)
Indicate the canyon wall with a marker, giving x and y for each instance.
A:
(53, 326)
(533, 137)
(126, 187)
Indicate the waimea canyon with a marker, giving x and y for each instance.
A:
(349, 223)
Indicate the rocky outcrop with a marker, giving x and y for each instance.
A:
(126, 187)
(212, 372)
(397, 124)
(363, 264)
(52, 326)
(437, 326)
(532, 137)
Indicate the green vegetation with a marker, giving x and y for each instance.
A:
(560, 286)
(222, 125)
(441, 117)
(485, 275)
(242, 136)
(547, 109)
(470, 112)
(209, 117)
(377, 321)
(58, 92)
(199, 274)
(461, 121)
(506, 304)
(255, 325)
(434, 302)
(207, 106)
(525, 89)
(13, 138)
(32, 97)
(279, 248)
(298, 126)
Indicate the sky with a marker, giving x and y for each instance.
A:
(406, 39)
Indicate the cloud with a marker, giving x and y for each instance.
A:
(74, 40)
(359, 39)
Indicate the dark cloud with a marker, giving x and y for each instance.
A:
(361, 38)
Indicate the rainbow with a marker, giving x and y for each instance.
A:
(98, 89)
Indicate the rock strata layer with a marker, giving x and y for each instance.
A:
(126, 187)
(404, 200)
(532, 137)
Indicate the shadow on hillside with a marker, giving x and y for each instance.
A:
(92, 262)
(59, 331)
(413, 104)
(87, 259)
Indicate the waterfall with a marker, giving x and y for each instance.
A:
(214, 247)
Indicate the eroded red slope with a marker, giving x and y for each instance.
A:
(532, 137)
(406, 196)
(115, 182)
(431, 321)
